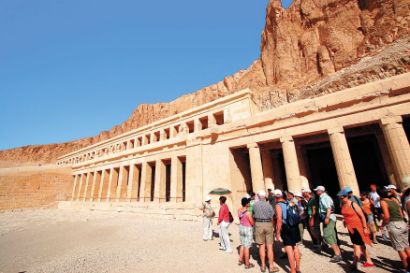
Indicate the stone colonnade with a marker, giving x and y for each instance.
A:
(157, 181)
(394, 134)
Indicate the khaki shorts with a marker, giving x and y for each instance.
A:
(398, 232)
(264, 233)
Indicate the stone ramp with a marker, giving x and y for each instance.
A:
(175, 211)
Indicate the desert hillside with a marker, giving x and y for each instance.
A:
(312, 48)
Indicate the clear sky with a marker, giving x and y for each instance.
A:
(72, 68)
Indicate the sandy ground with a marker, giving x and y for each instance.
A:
(54, 240)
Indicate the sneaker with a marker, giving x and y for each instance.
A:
(228, 251)
(222, 248)
(336, 259)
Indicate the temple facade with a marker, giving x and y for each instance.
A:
(355, 137)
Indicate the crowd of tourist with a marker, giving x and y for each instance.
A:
(277, 217)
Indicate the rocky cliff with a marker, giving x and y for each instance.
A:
(312, 48)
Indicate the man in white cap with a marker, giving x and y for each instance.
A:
(263, 217)
(394, 193)
(327, 216)
(207, 215)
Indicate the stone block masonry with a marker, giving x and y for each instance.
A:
(34, 187)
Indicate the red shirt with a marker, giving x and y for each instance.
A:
(223, 214)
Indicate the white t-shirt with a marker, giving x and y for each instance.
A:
(376, 199)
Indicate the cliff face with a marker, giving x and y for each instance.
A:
(312, 48)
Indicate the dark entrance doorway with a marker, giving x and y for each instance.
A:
(367, 161)
(321, 167)
(406, 125)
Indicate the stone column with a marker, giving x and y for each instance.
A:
(172, 132)
(176, 180)
(291, 164)
(211, 121)
(256, 167)
(162, 135)
(80, 186)
(387, 162)
(100, 190)
(398, 146)
(130, 182)
(267, 168)
(160, 180)
(74, 187)
(145, 191)
(93, 186)
(343, 161)
(197, 125)
(109, 184)
(86, 186)
(119, 186)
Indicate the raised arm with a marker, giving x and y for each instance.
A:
(278, 221)
(386, 213)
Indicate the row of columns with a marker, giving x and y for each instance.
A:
(132, 182)
(161, 135)
(393, 131)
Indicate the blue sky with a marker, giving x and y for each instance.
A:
(72, 68)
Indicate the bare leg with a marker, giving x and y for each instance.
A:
(262, 255)
(241, 253)
(246, 254)
(297, 257)
(270, 255)
(366, 254)
(336, 249)
(404, 258)
(291, 258)
(357, 253)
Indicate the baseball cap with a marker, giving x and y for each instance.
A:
(298, 194)
(348, 189)
(262, 193)
(390, 187)
(344, 192)
(319, 188)
(277, 193)
(306, 190)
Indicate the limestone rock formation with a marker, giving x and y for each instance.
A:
(312, 48)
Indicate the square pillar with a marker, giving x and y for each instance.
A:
(119, 185)
(291, 164)
(93, 186)
(267, 169)
(133, 183)
(74, 187)
(197, 125)
(80, 185)
(160, 180)
(146, 176)
(398, 146)
(176, 180)
(344, 165)
(258, 182)
(86, 186)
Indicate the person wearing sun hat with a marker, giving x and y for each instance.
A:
(207, 215)
(356, 224)
(328, 217)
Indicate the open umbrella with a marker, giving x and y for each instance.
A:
(220, 191)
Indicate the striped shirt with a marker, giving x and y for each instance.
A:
(262, 210)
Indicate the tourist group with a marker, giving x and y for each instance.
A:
(277, 217)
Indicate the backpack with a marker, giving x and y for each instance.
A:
(292, 215)
(230, 217)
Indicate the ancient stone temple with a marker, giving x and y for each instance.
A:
(354, 137)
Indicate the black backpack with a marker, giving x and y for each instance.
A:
(292, 215)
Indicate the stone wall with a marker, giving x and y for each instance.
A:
(33, 187)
